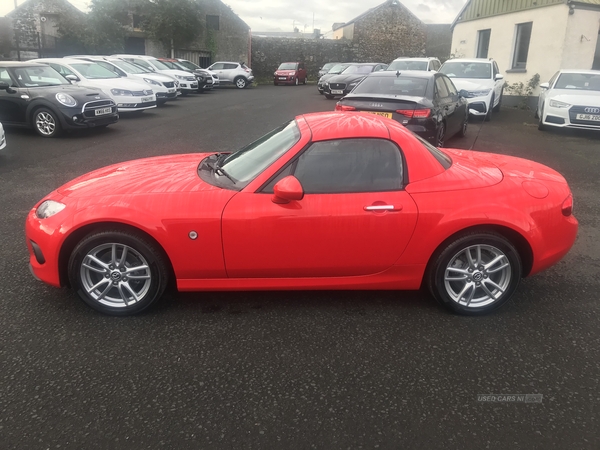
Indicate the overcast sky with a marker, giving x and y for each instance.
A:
(283, 15)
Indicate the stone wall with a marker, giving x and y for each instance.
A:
(268, 53)
(387, 32)
(439, 41)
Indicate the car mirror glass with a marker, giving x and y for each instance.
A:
(286, 190)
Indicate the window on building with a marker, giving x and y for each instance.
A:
(522, 45)
(212, 22)
(483, 43)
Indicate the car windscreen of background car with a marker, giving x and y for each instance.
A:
(247, 163)
(467, 70)
(160, 65)
(357, 69)
(188, 65)
(287, 66)
(129, 67)
(579, 81)
(408, 65)
(413, 87)
(337, 69)
(39, 76)
(94, 71)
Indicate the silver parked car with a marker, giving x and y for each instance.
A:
(238, 74)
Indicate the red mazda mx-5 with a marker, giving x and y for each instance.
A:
(327, 201)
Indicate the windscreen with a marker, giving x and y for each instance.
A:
(578, 81)
(407, 64)
(337, 69)
(405, 86)
(358, 69)
(467, 70)
(129, 67)
(94, 71)
(287, 66)
(31, 77)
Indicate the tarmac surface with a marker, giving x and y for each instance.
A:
(293, 370)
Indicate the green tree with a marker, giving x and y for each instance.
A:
(173, 23)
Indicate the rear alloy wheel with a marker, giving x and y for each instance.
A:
(475, 274)
(46, 123)
(440, 135)
(240, 82)
(488, 116)
(117, 273)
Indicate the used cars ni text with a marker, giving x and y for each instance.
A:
(468, 225)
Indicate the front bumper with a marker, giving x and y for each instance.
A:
(568, 117)
(73, 118)
(284, 79)
(188, 86)
(127, 103)
(479, 106)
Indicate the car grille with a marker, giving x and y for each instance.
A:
(337, 86)
(89, 109)
(190, 78)
(582, 110)
(169, 84)
(141, 93)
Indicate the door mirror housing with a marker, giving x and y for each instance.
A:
(286, 190)
(72, 78)
(4, 86)
(545, 85)
(463, 93)
(499, 76)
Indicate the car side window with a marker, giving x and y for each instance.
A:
(450, 85)
(440, 87)
(230, 66)
(143, 63)
(436, 65)
(350, 165)
(5, 76)
(217, 66)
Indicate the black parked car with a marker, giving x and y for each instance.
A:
(343, 83)
(335, 70)
(36, 96)
(426, 103)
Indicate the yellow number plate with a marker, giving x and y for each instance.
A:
(384, 114)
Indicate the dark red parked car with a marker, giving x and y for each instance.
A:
(290, 73)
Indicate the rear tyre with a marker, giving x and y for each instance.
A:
(297, 82)
(240, 82)
(329, 97)
(46, 123)
(304, 81)
(475, 273)
(463, 130)
(117, 273)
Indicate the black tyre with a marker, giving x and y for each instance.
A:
(117, 273)
(440, 139)
(463, 130)
(46, 123)
(541, 125)
(297, 81)
(160, 102)
(488, 116)
(475, 273)
(499, 105)
(240, 82)
(329, 97)
(304, 81)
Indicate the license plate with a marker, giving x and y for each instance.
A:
(146, 99)
(282, 78)
(384, 114)
(170, 91)
(590, 117)
(102, 111)
(337, 91)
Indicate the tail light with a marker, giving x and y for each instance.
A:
(416, 113)
(339, 107)
(247, 70)
(567, 206)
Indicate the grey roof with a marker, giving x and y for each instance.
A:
(369, 11)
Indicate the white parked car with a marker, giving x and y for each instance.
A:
(482, 81)
(570, 99)
(162, 85)
(238, 74)
(129, 95)
(196, 68)
(428, 64)
(187, 81)
(2, 138)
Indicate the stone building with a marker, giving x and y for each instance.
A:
(384, 33)
(35, 28)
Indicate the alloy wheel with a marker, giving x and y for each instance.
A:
(45, 123)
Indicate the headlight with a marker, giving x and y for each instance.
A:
(48, 209)
(149, 81)
(326, 84)
(274, 73)
(481, 93)
(120, 92)
(179, 77)
(66, 99)
(557, 104)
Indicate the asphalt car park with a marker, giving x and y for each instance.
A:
(293, 369)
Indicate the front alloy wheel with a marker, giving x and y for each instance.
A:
(117, 273)
(475, 274)
(46, 123)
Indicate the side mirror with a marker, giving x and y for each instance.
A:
(71, 77)
(463, 93)
(545, 85)
(499, 76)
(4, 86)
(286, 190)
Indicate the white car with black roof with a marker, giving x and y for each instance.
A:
(129, 95)
(187, 81)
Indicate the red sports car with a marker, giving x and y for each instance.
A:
(327, 201)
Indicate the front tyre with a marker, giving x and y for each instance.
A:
(475, 274)
(488, 116)
(541, 125)
(46, 123)
(117, 273)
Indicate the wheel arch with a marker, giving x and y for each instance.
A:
(77, 235)
(34, 106)
(514, 237)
